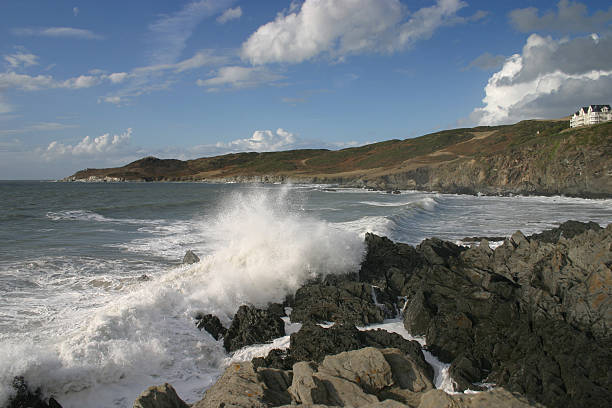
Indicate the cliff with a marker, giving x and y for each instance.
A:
(530, 157)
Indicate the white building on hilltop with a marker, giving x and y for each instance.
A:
(591, 115)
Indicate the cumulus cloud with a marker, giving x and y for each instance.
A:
(343, 27)
(551, 78)
(20, 59)
(97, 146)
(170, 33)
(239, 77)
(230, 14)
(262, 141)
(59, 32)
(570, 17)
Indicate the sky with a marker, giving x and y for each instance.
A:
(102, 83)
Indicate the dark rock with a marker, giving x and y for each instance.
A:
(277, 309)
(190, 258)
(335, 301)
(251, 326)
(26, 398)
(144, 278)
(211, 324)
(313, 342)
(568, 229)
(521, 316)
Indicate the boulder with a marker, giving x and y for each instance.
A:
(252, 326)
(160, 396)
(211, 324)
(190, 258)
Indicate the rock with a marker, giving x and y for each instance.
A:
(26, 398)
(252, 326)
(568, 229)
(343, 301)
(520, 316)
(498, 398)
(239, 386)
(161, 396)
(190, 258)
(211, 324)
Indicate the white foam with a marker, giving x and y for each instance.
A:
(144, 334)
(86, 215)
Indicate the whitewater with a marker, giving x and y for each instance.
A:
(95, 305)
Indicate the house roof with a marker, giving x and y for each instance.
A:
(597, 108)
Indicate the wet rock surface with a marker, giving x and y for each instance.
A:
(252, 326)
(211, 324)
(160, 396)
(533, 316)
(24, 397)
(190, 258)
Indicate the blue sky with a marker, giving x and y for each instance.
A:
(99, 84)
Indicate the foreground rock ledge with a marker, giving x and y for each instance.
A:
(533, 316)
(368, 377)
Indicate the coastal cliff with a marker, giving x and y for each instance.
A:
(530, 157)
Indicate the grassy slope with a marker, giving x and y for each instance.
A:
(391, 156)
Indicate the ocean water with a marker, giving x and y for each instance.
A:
(95, 305)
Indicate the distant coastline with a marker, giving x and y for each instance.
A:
(528, 158)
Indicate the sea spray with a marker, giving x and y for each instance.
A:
(262, 248)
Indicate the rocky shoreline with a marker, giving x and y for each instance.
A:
(531, 318)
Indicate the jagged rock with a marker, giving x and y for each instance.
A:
(344, 301)
(568, 229)
(251, 326)
(190, 258)
(211, 324)
(26, 398)
(522, 315)
(160, 396)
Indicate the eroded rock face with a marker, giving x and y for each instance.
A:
(521, 316)
(252, 326)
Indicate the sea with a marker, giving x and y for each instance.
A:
(96, 305)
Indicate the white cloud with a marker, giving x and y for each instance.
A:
(262, 141)
(38, 82)
(117, 77)
(230, 14)
(170, 32)
(75, 11)
(570, 17)
(60, 32)
(239, 77)
(343, 27)
(97, 146)
(115, 100)
(21, 59)
(551, 78)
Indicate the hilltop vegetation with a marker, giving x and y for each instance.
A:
(533, 156)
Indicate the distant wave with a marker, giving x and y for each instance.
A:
(86, 215)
